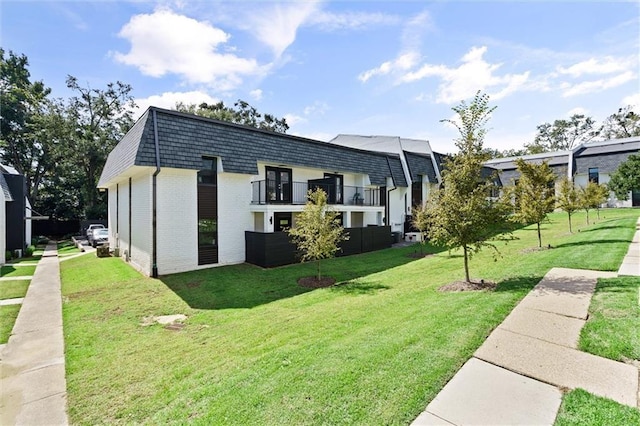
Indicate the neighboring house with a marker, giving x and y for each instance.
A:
(420, 166)
(592, 161)
(15, 211)
(187, 192)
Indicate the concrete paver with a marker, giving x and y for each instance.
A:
(484, 394)
(554, 328)
(565, 291)
(631, 262)
(561, 366)
(22, 278)
(32, 366)
(14, 301)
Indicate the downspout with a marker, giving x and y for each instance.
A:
(154, 230)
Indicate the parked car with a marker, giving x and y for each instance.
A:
(99, 237)
(91, 228)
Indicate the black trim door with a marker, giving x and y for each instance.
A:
(279, 185)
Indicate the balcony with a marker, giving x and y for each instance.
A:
(295, 193)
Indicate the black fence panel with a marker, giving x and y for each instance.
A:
(270, 249)
(54, 227)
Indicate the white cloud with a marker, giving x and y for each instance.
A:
(293, 119)
(585, 87)
(472, 75)
(164, 42)
(277, 25)
(318, 108)
(330, 21)
(168, 100)
(633, 100)
(605, 65)
(403, 62)
(256, 94)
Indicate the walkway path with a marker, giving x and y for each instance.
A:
(32, 373)
(631, 262)
(515, 377)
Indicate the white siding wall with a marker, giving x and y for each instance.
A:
(3, 228)
(234, 217)
(120, 231)
(177, 220)
(397, 211)
(303, 174)
(580, 180)
(141, 223)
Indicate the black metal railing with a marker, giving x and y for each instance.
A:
(268, 192)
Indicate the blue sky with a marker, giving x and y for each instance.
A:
(371, 68)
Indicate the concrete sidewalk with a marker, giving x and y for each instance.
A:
(32, 370)
(631, 262)
(516, 376)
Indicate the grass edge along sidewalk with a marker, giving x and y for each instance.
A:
(258, 349)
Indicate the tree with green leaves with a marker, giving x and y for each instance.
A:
(241, 113)
(462, 213)
(318, 231)
(626, 178)
(420, 221)
(26, 119)
(563, 134)
(623, 124)
(98, 119)
(568, 198)
(534, 194)
(592, 196)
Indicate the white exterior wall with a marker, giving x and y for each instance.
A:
(396, 206)
(303, 174)
(177, 220)
(27, 224)
(580, 180)
(234, 216)
(140, 254)
(3, 227)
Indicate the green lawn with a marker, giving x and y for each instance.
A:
(8, 315)
(579, 408)
(67, 248)
(17, 271)
(13, 289)
(258, 349)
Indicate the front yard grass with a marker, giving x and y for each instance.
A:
(17, 271)
(8, 315)
(579, 408)
(258, 349)
(13, 289)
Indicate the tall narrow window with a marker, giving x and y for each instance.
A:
(594, 176)
(416, 192)
(335, 188)
(208, 212)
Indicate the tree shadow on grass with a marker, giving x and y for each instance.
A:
(6, 269)
(590, 243)
(248, 286)
(518, 284)
(359, 287)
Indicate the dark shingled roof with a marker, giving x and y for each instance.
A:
(621, 145)
(5, 188)
(420, 164)
(185, 138)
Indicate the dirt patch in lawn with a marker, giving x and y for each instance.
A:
(535, 249)
(314, 282)
(457, 286)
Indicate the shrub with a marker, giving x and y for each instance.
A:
(29, 251)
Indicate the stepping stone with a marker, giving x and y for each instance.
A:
(484, 394)
(561, 366)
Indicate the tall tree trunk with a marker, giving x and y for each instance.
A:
(570, 230)
(587, 217)
(598, 211)
(539, 237)
(319, 276)
(466, 264)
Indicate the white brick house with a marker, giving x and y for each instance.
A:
(185, 191)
